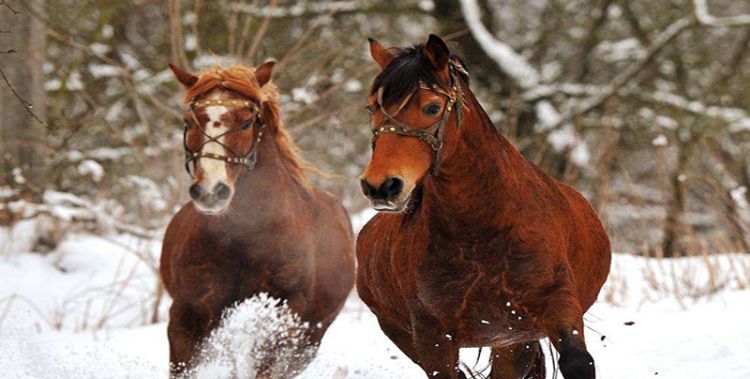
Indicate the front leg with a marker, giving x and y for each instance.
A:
(563, 323)
(400, 337)
(186, 330)
(436, 347)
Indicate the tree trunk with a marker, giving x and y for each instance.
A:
(676, 207)
(23, 41)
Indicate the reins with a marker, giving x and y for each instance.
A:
(432, 135)
(249, 159)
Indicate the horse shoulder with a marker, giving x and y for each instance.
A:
(173, 242)
(590, 252)
(367, 240)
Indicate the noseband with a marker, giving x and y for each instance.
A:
(249, 159)
(432, 135)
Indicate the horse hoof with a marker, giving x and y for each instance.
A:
(577, 364)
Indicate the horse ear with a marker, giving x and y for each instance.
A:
(263, 72)
(185, 78)
(437, 52)
(380, 53)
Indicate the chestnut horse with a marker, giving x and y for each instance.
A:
(255, 224)
(476, 246)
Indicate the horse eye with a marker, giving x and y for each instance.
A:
(248, 123)
(431, 109)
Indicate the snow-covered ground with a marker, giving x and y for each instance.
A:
(80, 311)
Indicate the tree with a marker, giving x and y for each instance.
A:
(22, 44)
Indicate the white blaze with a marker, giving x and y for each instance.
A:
(214, 170)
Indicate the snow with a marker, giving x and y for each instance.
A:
(92, 168)
(622, 50)
(99, 48)
(580, 155)
(304, 95)
(562, 138)
(84, 310)
(74, 82)
(739, 196)
(660, 140)
(260, 322)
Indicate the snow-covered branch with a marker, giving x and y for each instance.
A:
(704, 17)
(504, 56)
(737, 119)
(625, 77)
(510, 62)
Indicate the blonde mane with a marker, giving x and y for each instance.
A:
(241, 79)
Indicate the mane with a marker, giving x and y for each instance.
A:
(241, 79)
(403, 74)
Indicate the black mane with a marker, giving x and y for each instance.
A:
(403, 74)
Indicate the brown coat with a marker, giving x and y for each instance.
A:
(492, 252)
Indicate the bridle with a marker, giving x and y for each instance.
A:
(432, 135)
(249, 159)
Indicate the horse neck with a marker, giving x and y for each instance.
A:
(475, 180)
(260, 194)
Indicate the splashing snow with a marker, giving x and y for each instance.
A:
(261, 334)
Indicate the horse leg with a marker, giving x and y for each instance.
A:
(185, 331)
(563, 323)
(401, 338)
(519, 361)
(435, 347)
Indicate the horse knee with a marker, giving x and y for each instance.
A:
(523, 360)
(577, 363)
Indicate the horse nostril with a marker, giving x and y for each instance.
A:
(195, 191)
(391, 188)
(367, 189)
(222, 191)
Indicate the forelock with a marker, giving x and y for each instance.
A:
(404, 73)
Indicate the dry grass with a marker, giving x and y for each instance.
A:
(695, 275)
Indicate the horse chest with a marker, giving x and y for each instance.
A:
(227, 276)
(469, 288)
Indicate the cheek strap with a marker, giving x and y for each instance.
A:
(432, 135)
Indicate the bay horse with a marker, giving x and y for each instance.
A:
(255, 223)
(474, 245)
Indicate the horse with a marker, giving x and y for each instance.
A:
(473, 245)
(254, 224)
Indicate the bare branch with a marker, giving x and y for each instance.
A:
(305, 9)
(176, 37)
(26, 105)
(232, 29)
(246, 30)
(260, 32)
(2, 2)
(194, 25)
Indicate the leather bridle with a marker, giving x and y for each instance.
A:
(432, 135)
(249, 159)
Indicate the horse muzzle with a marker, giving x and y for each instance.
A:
(389, 196)
(213, 201)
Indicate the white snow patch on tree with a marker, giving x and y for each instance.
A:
(92, 168)
(562, 138)
(581, 156)
(660, 140)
